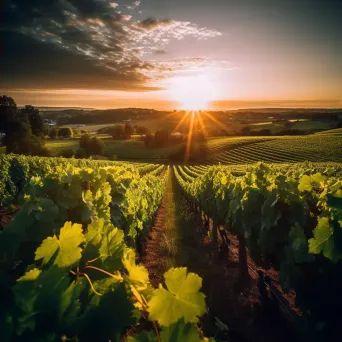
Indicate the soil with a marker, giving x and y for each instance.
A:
(233, 302)
(6, 215)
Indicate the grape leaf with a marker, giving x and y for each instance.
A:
(180, 332)
(65, 250)
(322, 242)
(299, 245)
(46, 211)
(95, 230)
(70, 304)
(305, 184)
(25, 298)
(137, 275)
(112, 247)
(30, 275)
(143, 337)
(106, 317)
(181, 300)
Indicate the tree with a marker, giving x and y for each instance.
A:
(53, 133)
(85, 141)
(246, 131)
(117, 131)
(81, 153)
(67, 153)
(65, 132)
(8, 113)
(18, 134)
(96, 146)
(149, 139)
(161, 138)
(35, 120)
(141, 130)
(128, 129)
(91, 145)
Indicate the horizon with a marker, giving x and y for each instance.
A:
(173, 55)
(253, 105)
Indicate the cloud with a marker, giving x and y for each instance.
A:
(160, 52)
(85, 43)
(151, 23)
(134, 5)
(191, 65)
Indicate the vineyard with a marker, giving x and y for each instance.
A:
(240, 150)
(68, 258)
(289, 219)
(73, 256)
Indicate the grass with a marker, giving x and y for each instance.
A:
(336, 131)
(301, 124)
(122, 149)
(60, 145)
(313, 125)
(273, 127)
(88, 128)
(135, 149)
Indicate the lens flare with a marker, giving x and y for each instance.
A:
(193, 92)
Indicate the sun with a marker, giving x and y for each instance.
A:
(192, 92)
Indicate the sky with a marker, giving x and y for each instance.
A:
(168, 53)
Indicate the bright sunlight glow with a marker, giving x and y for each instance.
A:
(193, 92)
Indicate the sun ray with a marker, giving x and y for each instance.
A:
(189, 141)
(181, 121)
(213, 119)
(200, 120)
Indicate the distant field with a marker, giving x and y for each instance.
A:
(336, 131)
(273, 127)
(88, 128)
(313, 125)
(323, 147)
(58, 146)
(287, 149)
(133, 149)
(122, 149)
(301, 124)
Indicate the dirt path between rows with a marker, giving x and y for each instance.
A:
(177, 239)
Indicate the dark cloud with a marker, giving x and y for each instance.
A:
(160, 52)
(67, 43)
(152, 23)
(83, 44)
(29, 63)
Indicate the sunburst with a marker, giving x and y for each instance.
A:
(192, 118)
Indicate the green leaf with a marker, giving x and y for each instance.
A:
(65, 250)
(70, 304)
(299, 244)
(46, 211)
(30, 275)
(112, 242)
(322, 242)
(180, 332)
(305, 184)
(95, 230)
(25, 298)
(143, 337)
(181, 300)
(137, 275)
(106, 317)
(50, 287)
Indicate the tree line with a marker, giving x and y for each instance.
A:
(23, 129)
